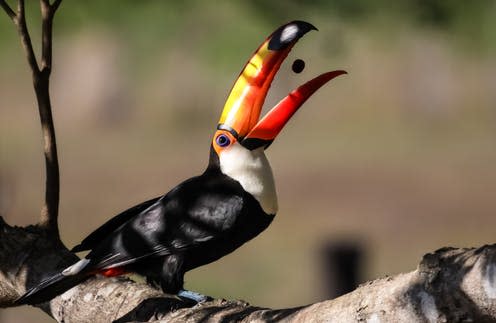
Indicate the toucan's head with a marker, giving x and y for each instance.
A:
(239, 123)
(241, 138)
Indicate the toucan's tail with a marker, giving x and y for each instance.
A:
(52, 287)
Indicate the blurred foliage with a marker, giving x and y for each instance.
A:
(143, 23)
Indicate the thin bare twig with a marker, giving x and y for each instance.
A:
(46, 35)
(56, 5)
(49, 212)
(8, 9)
(22, 29)
(41, 78)
(47, 12)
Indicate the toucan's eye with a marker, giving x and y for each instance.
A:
(222, 140)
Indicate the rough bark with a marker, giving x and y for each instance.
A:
(449, 285)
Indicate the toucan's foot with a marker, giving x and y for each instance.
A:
(188, 295)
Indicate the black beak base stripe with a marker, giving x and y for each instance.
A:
(254, 143)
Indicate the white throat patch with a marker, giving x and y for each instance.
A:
(252, 170)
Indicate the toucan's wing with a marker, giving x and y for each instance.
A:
(97, 236)
(183, 219)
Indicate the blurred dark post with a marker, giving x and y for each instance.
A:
(342, 263)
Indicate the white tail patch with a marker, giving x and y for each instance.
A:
(76, 268)
(428, 306)
(489, 281)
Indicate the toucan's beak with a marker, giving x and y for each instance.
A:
(243, 106)
(266, 130)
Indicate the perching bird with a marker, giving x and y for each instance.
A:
(208, 216)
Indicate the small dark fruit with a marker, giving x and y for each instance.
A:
(298, 65)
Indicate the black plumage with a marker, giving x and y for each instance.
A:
(92, 240)
(197, 222)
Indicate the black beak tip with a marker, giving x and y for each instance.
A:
(303, 25)
(289, 33)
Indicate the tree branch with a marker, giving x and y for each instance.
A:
(41, 78)
(56, 5)
(8, 10)
(46, 35)
(22, 29)
(49, 212)
(47, 13)
(449, 285)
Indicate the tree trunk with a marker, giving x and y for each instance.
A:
(449, 285)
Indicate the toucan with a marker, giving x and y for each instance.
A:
(208, 216)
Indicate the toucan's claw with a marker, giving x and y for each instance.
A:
(188, 295)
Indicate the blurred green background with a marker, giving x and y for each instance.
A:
(399, 155)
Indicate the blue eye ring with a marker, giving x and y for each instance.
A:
(223, 140)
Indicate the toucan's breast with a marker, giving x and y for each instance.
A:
(252, 170)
